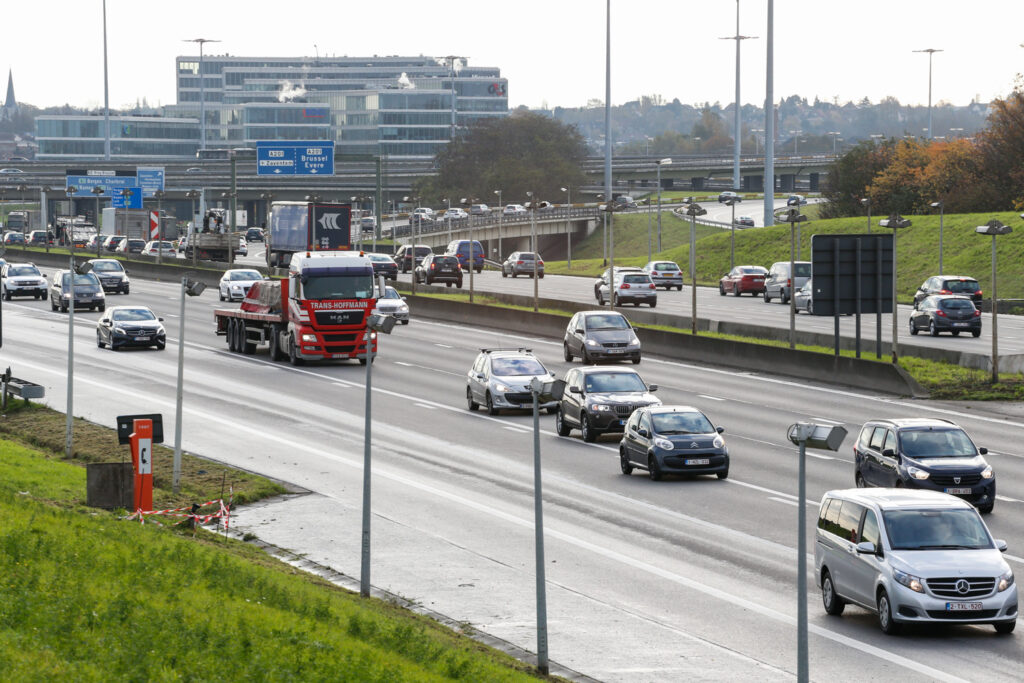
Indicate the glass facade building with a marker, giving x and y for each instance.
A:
(394, 106)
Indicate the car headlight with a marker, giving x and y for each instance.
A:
(719, 442)
(119, 330)
(664, 444)
(498, 386)
(160, 330)
(404, 308)
(1005, 581)
(600, 407)
(309, 337)
(591, 342)
(988, 473)
(909, 580)
(67, 295)
(917, 473)
(634, 342)
(100, 294)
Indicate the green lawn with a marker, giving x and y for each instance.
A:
(86, 596)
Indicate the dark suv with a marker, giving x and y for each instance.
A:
(924, 453)
(601, 399)
(404, 259)
(949, 284)
(439, 268)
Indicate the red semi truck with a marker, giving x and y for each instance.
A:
(318, 313)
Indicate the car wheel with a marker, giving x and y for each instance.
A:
(293, 356)
(566, 353)
(541, 276)
(221, 296)
(737, 292)
(767, 299)
(975, 333)
(784, 297)
(616, 301)
(1005, 626)
(956, 333)
(160, 346)
(552, 410)
(600, 299)
(721, 289)
(405, 322)
(7, 294)
(99, 342)
(834, 604)
(585, 357)
(125, 291)
(810, 308)
(560, 426)
(491, 410)
(588, 432)
(503, 273)
(114, 347)
(680, 288)
(858, 480)
(63, 308)
(636, 361)
(986, 509)
(53, 304)
(470, 403)
(448, 284)
(913, 328)
(624, 463)
(101, 308)
(932, 330)
(888, 625)
(652, 468)
(723, 475)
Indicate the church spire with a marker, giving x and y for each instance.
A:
(10, 104)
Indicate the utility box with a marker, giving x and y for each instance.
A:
(109, 485)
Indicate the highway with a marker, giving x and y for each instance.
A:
(670, 580)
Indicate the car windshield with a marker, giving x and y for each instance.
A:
(607, 322)
(936, 530)
(516, 367)
(107, 266)
(665, 266)
(802, 269)
(603, 382)
(936, 443)
(681, 423)
(391, 293)
(969, 286)
(80, 279)
(245, 275)
(22, 270)
(132, 315)
(957, 304)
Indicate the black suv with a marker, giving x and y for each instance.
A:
(439, 268)
(598, 400)
(403, 257)
(949, 284)
(924, 453)
(946, 313)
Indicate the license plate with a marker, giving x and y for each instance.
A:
(959, 491)
(446, 270)
(698, 461)
(622, 422)
(960, 324)
(963, 606)
(142, 339)
(758, 279)
(615, 351)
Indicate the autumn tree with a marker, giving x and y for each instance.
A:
(1001, 146)
(850, 177)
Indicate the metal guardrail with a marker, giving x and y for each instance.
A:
(18, 387)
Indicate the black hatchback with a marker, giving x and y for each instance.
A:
(949, 284)
(946, 313)
(673, 440)
(439, 268)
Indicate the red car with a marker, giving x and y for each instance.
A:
(743, 279)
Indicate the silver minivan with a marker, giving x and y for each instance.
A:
(912, 556)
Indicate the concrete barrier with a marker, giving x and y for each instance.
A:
(852, 372)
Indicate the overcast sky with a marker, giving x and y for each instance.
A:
(552, 52)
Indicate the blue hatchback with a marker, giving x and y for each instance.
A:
(460, 249)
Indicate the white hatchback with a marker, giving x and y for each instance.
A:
(912, 556)
(235, 283)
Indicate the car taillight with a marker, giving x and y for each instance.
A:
(431, 266)
(458, 255)
(789, 283)
(624, 285)
(941, 313)
(945, 291)
(977, 314)
(650, 286)
(540, 263)
(978, 293)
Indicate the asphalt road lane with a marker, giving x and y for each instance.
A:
(698, 573)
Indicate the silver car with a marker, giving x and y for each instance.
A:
(235, 283)
(522, 263)
(600, 335)
(665, 274)
(393, 304)
(500, 379)
(912, 556)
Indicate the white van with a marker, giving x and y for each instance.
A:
(912, 556)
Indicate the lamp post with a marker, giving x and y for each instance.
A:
(70, 425)
(97, 192)
(414, 222)
(994, 227)
(374, 323)
(796, 138)
(568, 227)
(666, 162)
(793, 216)
(736, 125)
(931, 52)
(731, 201)
(159, 194)
(895, 222)
(44, 211)
(230, 227)
(693, 210)
(128, 194)
(468, 202)
(866, 201)
(501, 220)
(941, 207)
(835, 134)
(190, 236)
(649, 206)
(202, 89)
(534, 205)
(268, 197)
(191, 288)
(22, 189)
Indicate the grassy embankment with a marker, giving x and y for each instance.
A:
(86, 596)
(942, 380)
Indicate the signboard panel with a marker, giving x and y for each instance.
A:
(846, 268)
(295, 157)
(150, 179)
(83, 184)
(120, 201)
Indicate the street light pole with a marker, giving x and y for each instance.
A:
(736, 126)
(793, 216)
(268, 197)
(995, 227)
(159, 194)
(896, 222)
(106, 93)
(69, 426)
(202, 89)
(663, 162)
(931, 52)
(568, 227)
(501, 219)
(941, 207)
(608, 118)
(191, 288)
(693, 210)
(97, 192)
(732, 233)
(866, 201)
(769, 122)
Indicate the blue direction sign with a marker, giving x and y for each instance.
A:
(150, 179)
(295, 157)
(83, 184)
(119, 201)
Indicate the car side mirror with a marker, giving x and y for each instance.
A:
(1001, 545)
(403, 298)
(643, 432)
(652, 387)
(160, 320)
(579, 330)
(720, 430)
(575, 390)
(983, 451)
(866, 548)
(889, 453)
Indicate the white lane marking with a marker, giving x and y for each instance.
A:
(424, 405)
(819, 457)
(1008, 500)
(427, 367)
(444, 346)
(339, 384)
(515, 429)
(1019, 560)
(825, 419)
(783, 500)
(1011, 455)
(711, 398)
(771, 491)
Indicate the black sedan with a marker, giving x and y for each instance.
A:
(599, 400)
(384, 265)
(673, 440)
(946, 313)
(122, 326)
